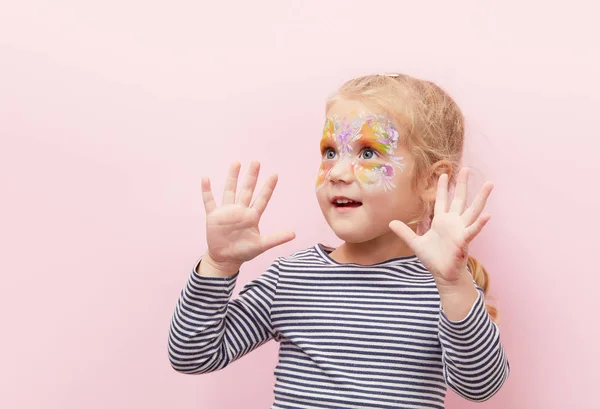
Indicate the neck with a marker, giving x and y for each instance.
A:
(374, 251)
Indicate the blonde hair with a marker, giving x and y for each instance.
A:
(434, 126)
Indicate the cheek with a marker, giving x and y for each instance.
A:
(324, 169)
(376, 175)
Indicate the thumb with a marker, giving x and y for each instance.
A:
(275, 239)
(403, 231)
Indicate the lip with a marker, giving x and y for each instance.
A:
(344, 209)
(336, 198)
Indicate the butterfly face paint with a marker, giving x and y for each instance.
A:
(368, 143)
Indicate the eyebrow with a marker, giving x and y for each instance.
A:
(371, 135)
(325, 143)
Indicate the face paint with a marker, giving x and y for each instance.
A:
(323, 174)
(375, 132)
(376, 175)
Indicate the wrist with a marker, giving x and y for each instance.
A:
(210, 268)
(458, 296)
(461, 283)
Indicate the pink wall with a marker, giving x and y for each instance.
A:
(110, 112)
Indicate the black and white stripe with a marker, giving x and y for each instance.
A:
(350, 336)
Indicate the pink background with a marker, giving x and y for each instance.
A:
(110, 113)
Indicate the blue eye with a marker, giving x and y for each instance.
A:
(329, 153)
(368, 153)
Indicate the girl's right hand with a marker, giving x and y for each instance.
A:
(232, 232)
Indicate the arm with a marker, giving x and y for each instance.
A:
(475, 365)
(209, 330)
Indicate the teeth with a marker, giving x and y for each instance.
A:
(343, 201)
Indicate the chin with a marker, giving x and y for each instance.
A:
(354, 234)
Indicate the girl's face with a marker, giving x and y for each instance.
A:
(364, 181)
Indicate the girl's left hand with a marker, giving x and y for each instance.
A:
(444, 248)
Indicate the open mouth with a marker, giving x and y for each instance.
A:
(345, 202)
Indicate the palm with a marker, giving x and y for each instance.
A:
(444, 248)
(232, 232)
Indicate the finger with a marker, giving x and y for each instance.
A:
(460, 194)
(260, 204)
(441, 198)
(245, 195)
(275, 239)
(231, 183)
(473, 211)
(404, 232)
(207, 196)
(474, 229)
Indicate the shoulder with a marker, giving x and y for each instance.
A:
(306, 257)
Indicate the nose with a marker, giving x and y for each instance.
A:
(342, 172)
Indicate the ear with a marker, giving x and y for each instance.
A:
(429, 187)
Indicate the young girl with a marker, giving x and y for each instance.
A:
(394, 315)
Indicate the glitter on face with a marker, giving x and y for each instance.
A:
(373, 132)
(376, 175)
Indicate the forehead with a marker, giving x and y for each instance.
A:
(349, 117)
(350, 109)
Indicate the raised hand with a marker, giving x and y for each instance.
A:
(232, 232)
(444, 248)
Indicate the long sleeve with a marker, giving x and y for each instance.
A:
(475, 365)
(209, 330)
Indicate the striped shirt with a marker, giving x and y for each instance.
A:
(350, 336)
